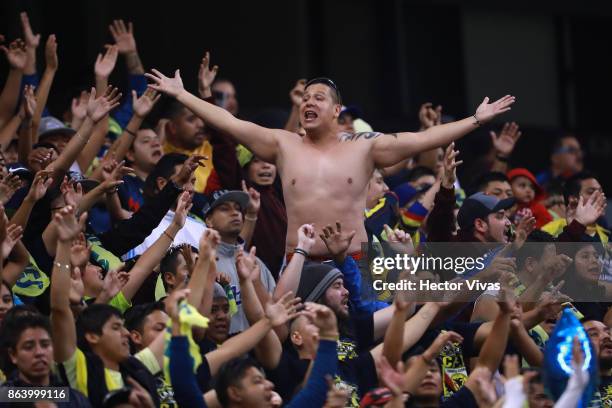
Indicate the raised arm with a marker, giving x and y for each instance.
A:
(237, 345)
(200, 278)
(62, 319)
(250, 216)
(17, 58)
(263, 142)
(395, 147)
(141, 108)
(97, 108)
(42, 93)
(27, 132)
(154, 254)
(290, 278)
(296, 95)
(268, 350)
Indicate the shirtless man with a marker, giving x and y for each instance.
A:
(324, 174)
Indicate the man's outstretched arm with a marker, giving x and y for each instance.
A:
(392, 148)
(261, 141)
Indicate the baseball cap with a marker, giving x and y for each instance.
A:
(20, 170)
(352, 110)
(480, 205)
(224, 196)
(52, 126)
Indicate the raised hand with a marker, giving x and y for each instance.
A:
(68, 226)
(283, 310)
(40, 185)
(169, 86)
(105, 64)
(296, 94)
(79, 109)
(254, 200)
(80, 251)
(99, 107)
(438, 344)
(322, 317)
(28, 104)
(482, 387)
(16, 54)
(183, 206)
(336, 241)
(245, 264)
(13, 235)
(173, 301)
(336, 397)
(428, 116)
(525, 227)
(399, 240)
(114, 281)
(487, 111)
(8, 186)
(306, 237)
(505, 142)
(31, 40)
(72, 192)
(51, 59)
(449, 166)
(3, 224)
(187, 169)
(390, 377)
(206, 76)
(209, 241)
(123, 36)
(143, 105)
(589, 211)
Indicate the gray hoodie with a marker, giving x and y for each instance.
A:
(227, 264)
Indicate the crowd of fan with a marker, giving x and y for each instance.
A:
(149, 257)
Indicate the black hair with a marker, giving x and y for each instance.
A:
(92, 320)
(165, 169)
(169, 263)
(481, 182)
(16, 325)
(136, 315)
(419, 172)
(230, 374)
(330, 84)
(170, 108)
(573, 185)
(531, 248)
(6, 332)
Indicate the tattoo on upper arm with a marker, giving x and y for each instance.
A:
(350, 137)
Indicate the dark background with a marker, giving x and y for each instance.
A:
(387, 57)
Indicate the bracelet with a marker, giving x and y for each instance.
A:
(61, 265)
(476, 119)
(300, 251)
(168, 235)
(129, 131)
(502, 158)
(247, 218)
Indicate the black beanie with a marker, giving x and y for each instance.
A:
(315, 280)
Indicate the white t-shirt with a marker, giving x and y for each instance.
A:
(189, 234)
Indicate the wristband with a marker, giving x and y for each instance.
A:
(247, 218)
(476, 119)
(168, 235)
(129, 131)
(300, 251)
